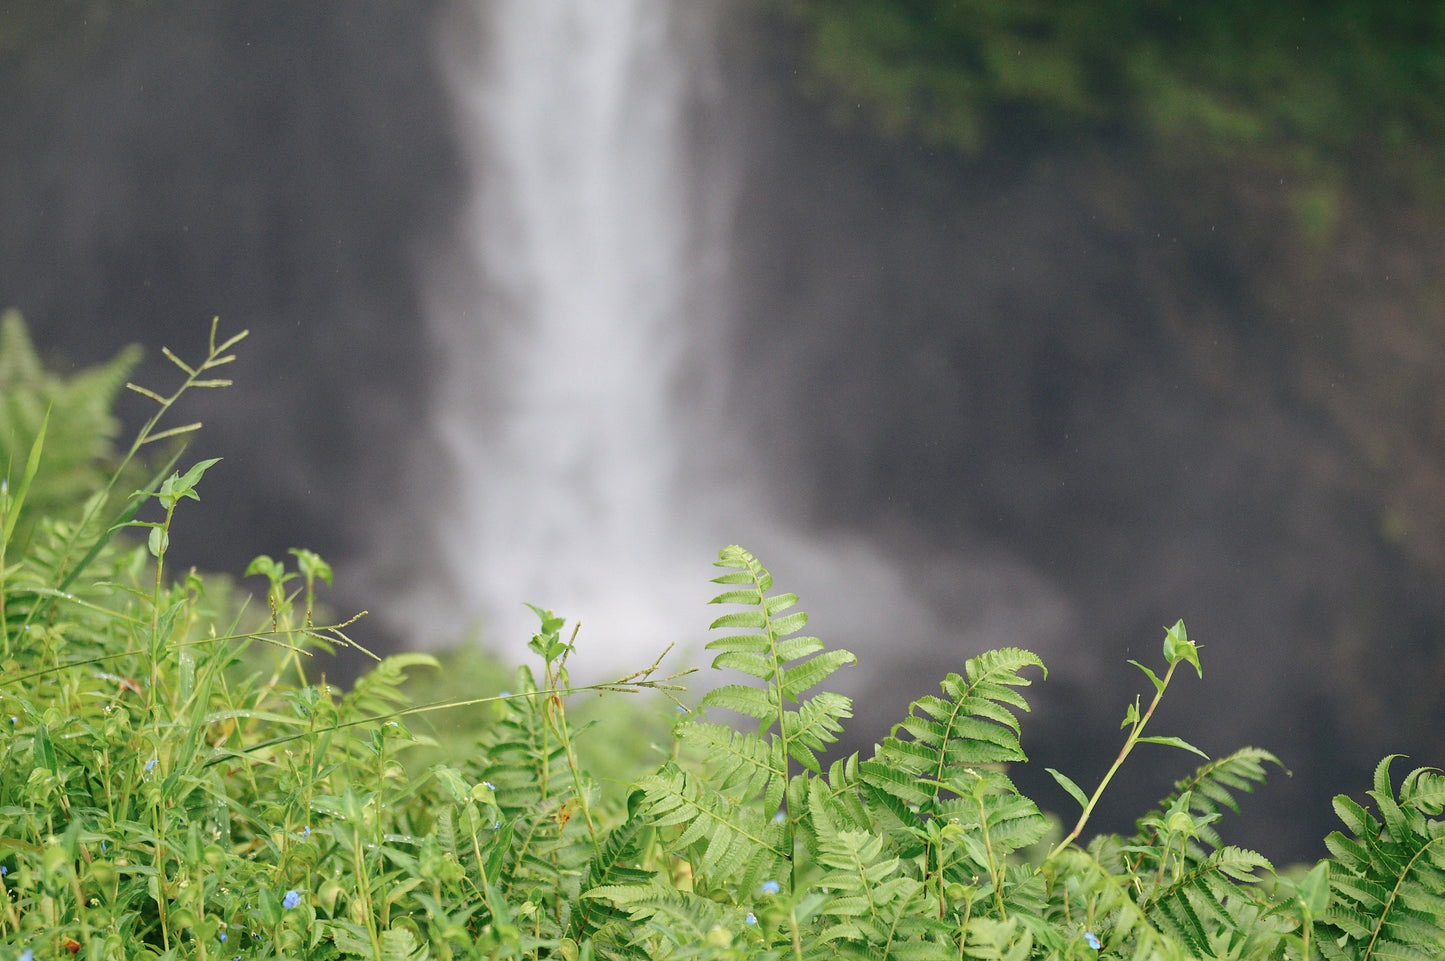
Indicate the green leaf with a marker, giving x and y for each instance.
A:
(1153, 678)
(45, 750)
(1173, 742)
(1067, 784)
(1178, 647)
(32, 466)
(179, 486)
(311, 564)
(1314, 889)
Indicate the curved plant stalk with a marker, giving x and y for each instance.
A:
(1177, 649)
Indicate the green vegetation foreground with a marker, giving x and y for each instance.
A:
(174, 784)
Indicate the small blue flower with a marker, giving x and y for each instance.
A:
(14, 719)
(27, 955)
(750, 919)
(222, 936)
(779, 818)
(306, 831)
(489, 785)
(291, 900)
(3, 870)
(504, 694)
(771, 887)
(1093, 941)
(151, 763)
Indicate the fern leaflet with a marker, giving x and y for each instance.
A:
(1387, 881)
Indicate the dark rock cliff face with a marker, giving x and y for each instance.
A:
(1147, 382)
(1148, 389)
(281, 168)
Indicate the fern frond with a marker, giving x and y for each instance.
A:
(831, 804)
(745, 777)
(609, 868)
(78, 449)
(681, 918)
(1211, 790)
(767, 654)
(737, 836)
(816, 724)
(873, 903)
(1097, 884)
(531, 845)
(990, 810)
(1194, 907)
(1387, 880)
(973, 723)
(739, 763)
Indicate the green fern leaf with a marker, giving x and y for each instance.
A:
(735, 833)
(682, 919)
(1206, 794)
(78, 449)
(1387, 880)
(739, 763)
(607, 870)
(399, 944)
(815, 725)
(872, 903)
(746, 776)
(747, 701)
(971, 724)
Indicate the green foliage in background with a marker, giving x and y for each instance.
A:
(175, 783)
(1354, 83)
(75, 412)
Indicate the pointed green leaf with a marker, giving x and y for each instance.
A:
(1067, 784)
(44, 751)
(756, 620)
(32, 467)
(1174, 742)
(1153, 678)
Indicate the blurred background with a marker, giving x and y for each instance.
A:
(982, 323)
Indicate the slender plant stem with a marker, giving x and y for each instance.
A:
(1129, 743)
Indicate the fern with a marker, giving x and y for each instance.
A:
(623, 847)
(972, 724)
(529, 847)
(1388, 880)
(734, 836)
(675, 918)
(732, 804)
(79, 452)
(1200, 907)
(1209, 791)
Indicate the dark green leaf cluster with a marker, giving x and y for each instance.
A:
(1353, 83)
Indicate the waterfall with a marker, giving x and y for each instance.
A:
(557, 406)
(585, 463)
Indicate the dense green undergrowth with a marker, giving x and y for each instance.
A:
(176, 781)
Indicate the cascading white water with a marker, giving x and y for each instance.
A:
(558, 398)
(572, 475)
